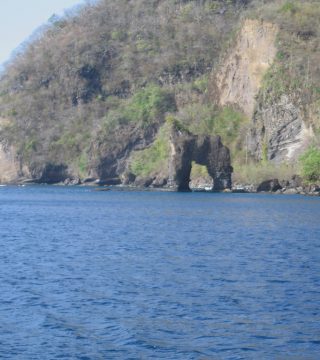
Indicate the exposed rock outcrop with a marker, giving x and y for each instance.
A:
(204, 150)
(279, 132)
(240, 77)
(49, 173)
(9, 166)
(278, 129)
(111, 161)
(272, 185)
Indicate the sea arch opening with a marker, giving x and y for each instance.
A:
(200, 178)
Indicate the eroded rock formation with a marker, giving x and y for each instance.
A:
(279, 129)
(204, 150)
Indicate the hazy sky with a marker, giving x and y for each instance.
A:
(19, 18)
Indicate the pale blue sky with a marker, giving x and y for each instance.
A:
(19, 18)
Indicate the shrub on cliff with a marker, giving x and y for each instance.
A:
(310, 164)
(148, 104)
(145, 107)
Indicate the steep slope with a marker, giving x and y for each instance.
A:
(272, 75)
(75, 95)
(240, 77)
(286, 120)
(94, 94)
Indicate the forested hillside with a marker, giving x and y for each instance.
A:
(95, 93)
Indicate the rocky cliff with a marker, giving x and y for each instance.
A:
(239, 79)
(280, 129)
(9, 166)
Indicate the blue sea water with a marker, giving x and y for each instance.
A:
(155, 275)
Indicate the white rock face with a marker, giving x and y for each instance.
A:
(240, 77)
(9, 169)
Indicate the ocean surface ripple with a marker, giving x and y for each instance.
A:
(155, 275)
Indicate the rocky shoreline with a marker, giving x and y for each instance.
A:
(294, 186)
(272, 186)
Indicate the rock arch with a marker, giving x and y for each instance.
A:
(204, 150)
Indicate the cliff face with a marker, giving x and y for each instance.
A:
(279, 131)
(280, 128)
(9, 165)
(110, 160)
(9, 169)
(239, 78)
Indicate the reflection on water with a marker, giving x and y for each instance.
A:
(101, 275)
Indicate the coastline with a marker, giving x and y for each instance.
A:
(306, 190)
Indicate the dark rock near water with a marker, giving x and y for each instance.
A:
(72, 181)
(49, 173)
(159, 181)
(143, 181)
(204, 150)
(272, 185)
(128, 178)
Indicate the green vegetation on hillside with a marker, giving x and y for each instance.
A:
(254, 173)
(147, 105)
(114, 67)
(206, 119)
(107, 65)
(310, 164)
(154, 158)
